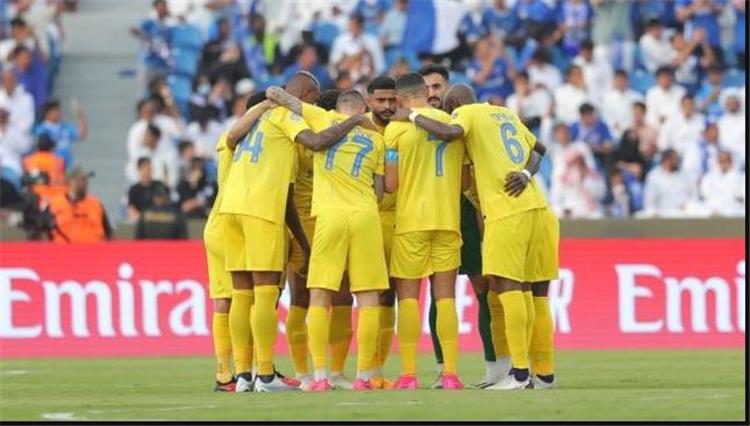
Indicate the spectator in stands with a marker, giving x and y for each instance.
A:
(372, 12)
(682, 128)
(196, 194)
(230, 67)
(164, 163)
(307, 60)
(560, 150)
(499, 20)
(612, 32)
(209, 100)
(154, 33)
(162, 220)
(140, 194)
(597, 72)
(148, 113)
(531, 103)
(723, 188)
(702, 15)
(44, 162)
(617, 104)
(594, 132)
(242, 91)
(542, 72)
(709, 92)
(79, 216)
(667, 191)
(538, 18)
(690, 58)
(204, 131)
(63, 133)
(570, 96)
(656, 49)
(579, 190)
(637, 147)
(489, 71)
(343, 82)
(186, 151)
(663, 100)
(740, 32)
(259, 47)
(701, 155)
(19, 103)
(574, 24)
(20, 35)
(732, 126)
(620, 203)
(14, 144)
(30, 74)
(215, 47)
(357, 49)
(394, 25)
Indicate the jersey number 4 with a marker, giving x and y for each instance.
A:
(253, 144)
(366, 147)
(512, 146)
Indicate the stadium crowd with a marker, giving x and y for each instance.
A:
(642, 103)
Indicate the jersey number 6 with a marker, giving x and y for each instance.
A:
(512, 146)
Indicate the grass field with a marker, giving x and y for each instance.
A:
(612, 385)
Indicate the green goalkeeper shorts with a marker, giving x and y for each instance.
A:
(471, 250)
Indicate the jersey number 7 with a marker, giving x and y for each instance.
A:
(363, 141)
(439, 153)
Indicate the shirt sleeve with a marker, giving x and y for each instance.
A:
(72, 129)
(379, 155)
(462, 117)
(314, 115)
(526, 134)
(293, 124)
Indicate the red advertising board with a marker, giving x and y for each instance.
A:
(135, 298)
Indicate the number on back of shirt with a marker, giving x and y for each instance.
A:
(512, 147)
(362, 141)
(439, 153)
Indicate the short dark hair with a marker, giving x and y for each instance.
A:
(184, 144)
(523, 74)
(653, 22)
(667, 153)
(587, 44)
(143, 160)
(45, 142)
(715, 68)
(586, 108)
(435, 69)
(571, 68)
(350, 96)
(687, 97)
(381, 83)
(639, 104)
(328, 99)
(358, 18)
(49, 106)
(664, 70)
(621, 73)
(156, 2)
(255, 99)
(154, 130)
(17, 22)
(409, 81)
(541, 54)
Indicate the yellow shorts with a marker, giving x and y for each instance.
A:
(295, 251)
(253, 244)
(388, 225)
(219, 280)
(347, 240)
(421, 253)
(514, 246)
(543, 261)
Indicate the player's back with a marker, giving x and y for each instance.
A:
(388, 203)
(343, 176)
(429, 175)
(263, 165)
(223, 162)
(498, 143)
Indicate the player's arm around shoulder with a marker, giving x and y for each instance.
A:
(243, 126)
(378, 178)
(390, 142)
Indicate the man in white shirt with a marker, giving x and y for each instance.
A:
(148, 113)
(597, 72)
(663, 100)
(656, 49)
(617, 105)
(164, 159)
(682, 128)
(723, 188)
(18, 101)
(530, 103)
(541, 72)
(13, 145)
(667, 190)
(700, 156)
(570, 96)
(732, 124)
(354, 41)
(204, 133)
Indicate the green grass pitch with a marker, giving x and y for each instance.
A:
(596, 385)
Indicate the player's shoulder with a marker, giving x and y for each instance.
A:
(221, 143)
(395, 128)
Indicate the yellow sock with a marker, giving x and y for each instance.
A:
(240, 329)
(340, 336)
(516, 318)
(222, 346)
(408, 334)
(296, 337)
(387, 319)
(318, 323)
(447, 331)
(542, 341)
(368, 325)
(498, 325)
(265, 320)
(528, 300)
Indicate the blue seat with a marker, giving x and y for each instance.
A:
(181, 87)
(325, 33)
(641, 80)
(638, 62)
(734, 78)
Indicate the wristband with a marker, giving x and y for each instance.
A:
(413, 116)
(526, 173)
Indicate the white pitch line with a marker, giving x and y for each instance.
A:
(62, 417)
(683, 397)
(14, 372)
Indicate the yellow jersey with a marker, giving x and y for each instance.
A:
(498, 143)
(263, 166)
(429, 175)
(303, 185)
(223, 162)
(388, 202)
(344, 173)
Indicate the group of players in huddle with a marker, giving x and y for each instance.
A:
(427, 181)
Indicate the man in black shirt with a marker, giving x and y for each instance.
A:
(140, 195)
(162, 220)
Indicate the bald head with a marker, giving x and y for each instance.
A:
(459, 95)
(304, 86)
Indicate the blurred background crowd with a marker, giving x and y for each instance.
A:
(641, 103)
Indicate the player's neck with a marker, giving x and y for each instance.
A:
(418, 103)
